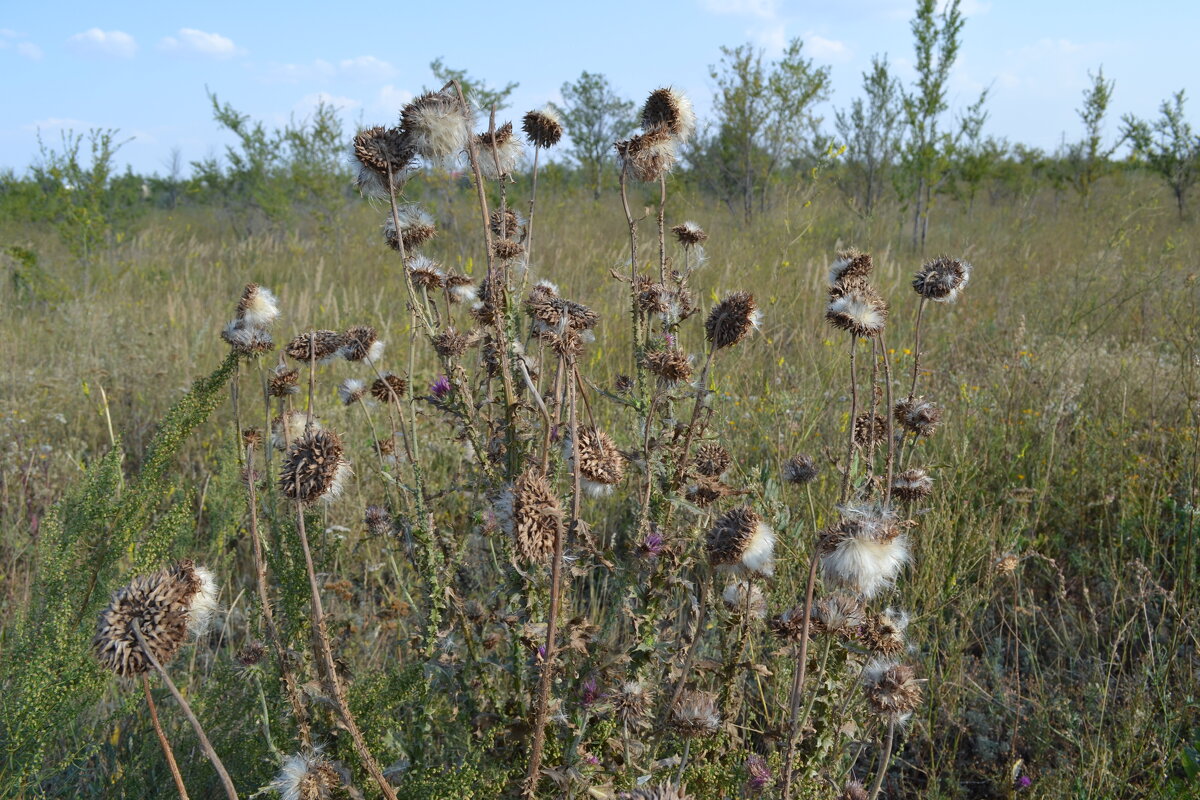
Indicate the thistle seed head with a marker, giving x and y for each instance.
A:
(648, 156)
(306, 776)
(507, 225)
(461, 289)
(670, 109)
(870, 428)
(416, 228)
(892, 689)
(424, 272)
(322, 345)
(712, 460)
(351, 390)
(670, 364)
(450, 343)
(160, 605)
(918, 415)
(531, 514)
(840, 615)
(850, 268)
(247, 340)
(601, 464)
(284, 381)
(942, 279)
(361, 343)
(498, 154)
(689, 234)
(378, 521)
(735, 599)
(542, 127)
(800, 470)
(258, 306)
(315, 468)
(740, 539)
(732, 320)
(912, 485)
(860, 311)
(507, 249)
(865, 550)
(853, 791)
(437, 125)
(389, 388)
(695, 714)
(884, 633)
(663, 791)
(632, 703)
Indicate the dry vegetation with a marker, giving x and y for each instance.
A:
(1051, 595)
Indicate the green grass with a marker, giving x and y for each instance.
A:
(1070, 373)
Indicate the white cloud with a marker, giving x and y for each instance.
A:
(299, 73)
(197, 42)
(56, 123)
(823, 49)
(116, 44)
(764, 9)
(771, 38)
(391, 100)
(29, 50)
(306, 104)
(367, 68)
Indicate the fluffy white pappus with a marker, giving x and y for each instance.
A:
(897, 618)
(865, 315)
(351, 390)
(507, 152)
(240, 334)
(369, 183)
(337, 486)
(756, 319)
(734, 597)
(865, 565)
(203, 604)
(956, 290)
(438, 127)
(594, 489)
(261, 308)
(289, 429)
(548, 286)
(838, 268)
(465, 292)
(374, 352)
(290, 782)
(685, 125)
(872, 674)
(759, 557)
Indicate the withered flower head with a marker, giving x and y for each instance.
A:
(865, 550)
(839, 614)
(361, 343)
(800, 469)
(892, 689)
(712, 459)
(732, 320)
(289, 427)
(252, 438)
(315, 468)
(689, 234)
(632, 703)
(695, 714)
(377, 151)
(663, 791)
(531, 514)
(450, 343)
(706, 491)
(741, 539)
(160, 606)
(351, 390)
(499, 154)
(860, 311)
(853, 791)
(389, 388)
(258, 306)
(671, 364)
(284, 381)
(918, 415)
(507, 224)
(246, 339)
(651, 297)
(670, 109)
(884, 633)
(306, 776)
(416, 228)
(437, 125)
(942, 279)
(648, 156)
(461, 289)
(912, 485)
(378, 521)
(507, 249)
(322, 345)
(601, 464)
(424, 272)
(870, 429)
(251, 654)
(542, 127)
(850, 268)
(735, 599)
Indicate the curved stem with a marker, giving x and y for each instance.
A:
(798, 675)
(912, 390)
(205, 744)
(162, 740)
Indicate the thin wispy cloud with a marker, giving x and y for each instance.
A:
(366, 68)
(190, 41)
(764, 9)
(56, 124)
(29, 50)
(109, 44)
(11, 40)
(823, 49)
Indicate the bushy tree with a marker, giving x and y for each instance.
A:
(871, 131)
(594, 116)
(475, 90)
(1168, 146)
(1087, 160)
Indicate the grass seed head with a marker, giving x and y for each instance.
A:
(732, 320)
(542, 128)
(315, 468)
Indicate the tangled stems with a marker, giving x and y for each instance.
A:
(205, 744)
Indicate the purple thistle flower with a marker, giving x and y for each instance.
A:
(654, 545)
(591, 759)
(440, 387)
(670, 337)
(760, 773)
(1024, 782)
(590, 693)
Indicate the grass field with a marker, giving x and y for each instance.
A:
(1069, 372)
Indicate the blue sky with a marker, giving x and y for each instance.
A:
(143, 67)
